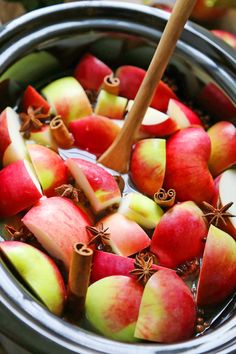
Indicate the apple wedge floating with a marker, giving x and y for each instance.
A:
(32, 98)
(111, 106)
(182, 115)
(12, 146)
(58, 224)
(68, 99)
(20, 188)
(39, 272)
(43, 136)
(99, 186)
(217, 278)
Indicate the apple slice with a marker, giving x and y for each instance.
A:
(12, 146)
(126, 237)
(111, 106)
(182, 114)
(90, 72)
(143, 210)
(147, 165)
(58, 224)
(39, 272)
(43, 136)
(20, 188)
(226, 36)
(68, 99)
(32, 98)
(112, 306)
(167, 312)
(94, 133)
(99, 186)
(218, 273)
(50, 168)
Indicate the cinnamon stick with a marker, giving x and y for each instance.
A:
(165, 199)
(111, 84)
(60, 133)
(78, 282)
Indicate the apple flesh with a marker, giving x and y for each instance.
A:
(167, 312)
(58, 224)
(179, 235)
(187, 153)
(182, 114)
(39, 272)
(50, 168)
(110, 105)
(147, 165)
(94, 133)
(126, 236)
(223, 147)
(20, 188)
(32, 98)
(141, 209)
(90, 72)
(218, 273)
(68, 99)
(112, 306)
(99, 186)
(43, 136)
(12, 146)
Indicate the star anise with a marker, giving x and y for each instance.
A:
(71, 192)
(100, 237)
(189, 270)
(143, 267)
(23, 234)
(218, 214)
(32, 120)
(201, 323)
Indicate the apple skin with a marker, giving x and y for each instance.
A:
(110, 105)
(50, 168)
(126, 236)
(141, 209)
(131, 78)
(12, 146)
(217, 278)
(90, 72)
(39, 272)
(204, 13)
(147, 165)
(167, 312)
(68, 99)
(32, 98)
(179, 235)
(182, 114)
(19, 188)
(226, 36)
(58, 224)
(187, 153)
(99, 186)
(112, 306)
(94, 133)
(223, 147)
(43, 136)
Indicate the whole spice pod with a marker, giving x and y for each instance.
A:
(60, 133)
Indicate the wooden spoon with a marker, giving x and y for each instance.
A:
(117, 156)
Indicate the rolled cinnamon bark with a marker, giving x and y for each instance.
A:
(111, 84)
(60, 133)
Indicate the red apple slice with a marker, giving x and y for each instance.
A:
(99, 186)
(50, 168)
(126, 236)
(32, 98)
(39, 272)
(94, 133)
(182, 114)
(58, 224)
(218, 273)
(111, 106)
(90, 72)
(20, 188)
(12, 146)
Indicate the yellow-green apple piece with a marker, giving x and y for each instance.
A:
(167, 312)
(12, 145)
(49, 167)
(179, 236)
(217, 278)
(223, 147)
(43, 136)
(20, 188)
(111, 106)
(39, 272)
(112, 306)
(147, 165)
(126, 237)
(99, 186)
(187, 153)
(67, 98)
(58, 224)
(139, 208)
(182, 115)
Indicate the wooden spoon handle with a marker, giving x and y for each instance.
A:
(117, 155)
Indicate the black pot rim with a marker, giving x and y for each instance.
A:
(30, 321)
